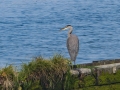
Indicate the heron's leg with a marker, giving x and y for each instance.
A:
(74, 66)
(74, 63)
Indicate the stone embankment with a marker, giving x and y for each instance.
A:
(96, 68)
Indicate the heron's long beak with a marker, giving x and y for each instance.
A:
(63, 29)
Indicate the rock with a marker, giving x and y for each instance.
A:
(78, 71)
(84, 70)
(74, 72)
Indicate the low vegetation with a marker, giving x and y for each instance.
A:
(53, 74)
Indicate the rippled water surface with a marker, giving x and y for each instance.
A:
(30, 28)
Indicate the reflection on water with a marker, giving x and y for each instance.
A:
(31, 28)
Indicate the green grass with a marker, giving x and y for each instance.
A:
(103, 87)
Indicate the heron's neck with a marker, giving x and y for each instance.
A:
(70, 31)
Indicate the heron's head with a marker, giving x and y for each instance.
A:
(66, 27)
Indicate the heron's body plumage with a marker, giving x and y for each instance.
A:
(73, 46)
(72, 43)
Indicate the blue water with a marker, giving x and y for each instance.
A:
(30, 28)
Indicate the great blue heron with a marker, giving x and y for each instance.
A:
(72, 43)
